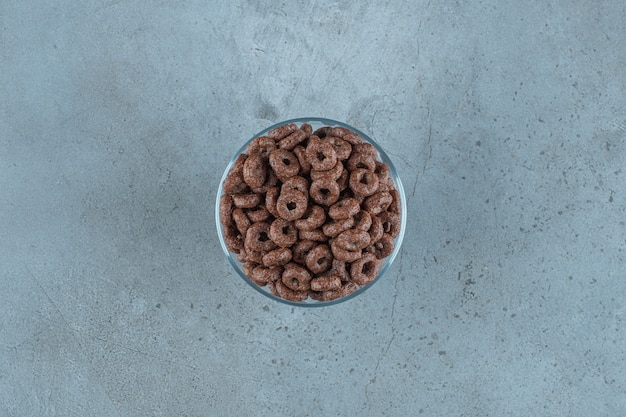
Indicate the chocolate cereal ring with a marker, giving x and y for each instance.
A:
(226, 209)
(364, 270)
(233, 238)
(321, 155)
(234, 183)
(282, 131)
(347, 207)
(270, 182)
(376, 229)
(283, 233)
(383, 248)
(246, 200)
(292, 140)
(281, 290)
(296, 278)
(307, 129)
(326, 282)
(262, 146)
(343, 254)
(241, 220)
(284, 163)
(353, 240)
(296, 183)
(301, 249)
(377, 203)
(363, 182)
(262, 275)
(291, 205)
(391, 223)
(334, 173)
(254, 171)
(343, 149)
(258, 238)
(396, 204)
(313, 218)
(271, 196)
(319, 259)
(366, 148)
(316, 235)
(346, 289)
(277, 257)
(324, 191)
(258, 214)
(305, 165)
(337, 227)
(361, 160)
(363, 221)
(340, 269)
(346, 134)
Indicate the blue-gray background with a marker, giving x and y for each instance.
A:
(506, 121)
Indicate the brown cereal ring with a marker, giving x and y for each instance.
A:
(258, 214)
(363, 182)
(247, 200)
(233, 238)
(270, 200)
(377, 203)
(291, 205)
(271, 181)
(282, 131)
(396, 204)
(234, 183)
(254, 171)
(262, 146)
(334, 173)
(346, 289)
(281, 290)
(353, 240)
(376, 230)
(343, 179)
(248, 267)
(343, 149)
(343, 254)
(284, 163)
(283, 233)
(364, 270)
(360, 160)
(321, 155)
(296, 183)
(296, 277)
(383, 248)
(365, 148)
(319, 259)
(391, 223)
(363, 221)
(346, 134)
(301, 250)
(246, 255)
(337, 227)
(305, 165)
(340, 268)
(241, 220)
(326, 283)
(226, 209)
(313, 218)
(262, 275)
(307, 129)
(277, 257)
(292, 140)
(258, 238)
(315, 234)
(322, 132)
(325, 191)
(382, 170)
(347, 207)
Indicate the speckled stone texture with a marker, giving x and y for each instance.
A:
(505, 119)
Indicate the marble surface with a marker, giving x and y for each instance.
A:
(506, 121)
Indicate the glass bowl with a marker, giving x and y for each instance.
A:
(315, 122)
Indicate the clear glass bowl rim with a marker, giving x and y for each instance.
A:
(387, 261)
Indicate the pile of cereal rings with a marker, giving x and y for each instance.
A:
(310, 213)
